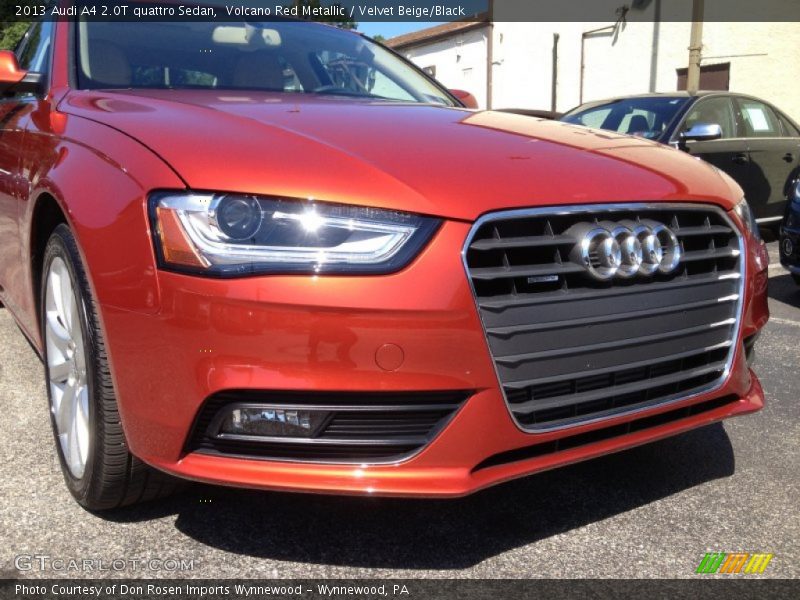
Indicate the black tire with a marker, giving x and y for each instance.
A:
(112, 477)
(796, 278)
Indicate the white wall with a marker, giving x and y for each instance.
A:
(460, 61)
(639, 57)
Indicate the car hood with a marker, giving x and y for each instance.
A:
(421, 158)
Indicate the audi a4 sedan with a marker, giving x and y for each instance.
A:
(751, 140)
(278, 256)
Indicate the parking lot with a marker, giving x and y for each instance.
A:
(649, 512)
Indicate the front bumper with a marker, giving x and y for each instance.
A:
(325, 334)
(447, 468)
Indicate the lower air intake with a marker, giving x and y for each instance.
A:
(355, 427)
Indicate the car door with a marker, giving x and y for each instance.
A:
(728, 153)
(773, 158)
(33, 54)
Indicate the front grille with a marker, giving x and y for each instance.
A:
(568, 348)
(380, 426)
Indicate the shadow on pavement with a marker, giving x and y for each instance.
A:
(442, 534)
(783, 289)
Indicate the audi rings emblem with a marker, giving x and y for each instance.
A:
(625, 249)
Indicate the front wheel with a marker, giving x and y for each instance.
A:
(99, 470)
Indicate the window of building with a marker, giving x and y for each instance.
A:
(712, 77)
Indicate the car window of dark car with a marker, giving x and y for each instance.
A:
(789, 130)
(717, 110)
(646, 116)
(759, 120)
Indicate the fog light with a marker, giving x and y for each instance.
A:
(277, 422)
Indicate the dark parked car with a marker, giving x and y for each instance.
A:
(751, 140)
(790, 236)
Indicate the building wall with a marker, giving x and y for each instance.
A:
(460, 61)
(637, 57)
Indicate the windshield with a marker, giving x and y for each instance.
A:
(647, 117)
(290, 56)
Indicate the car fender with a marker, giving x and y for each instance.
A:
(102, 191)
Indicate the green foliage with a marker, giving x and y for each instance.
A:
(379, 38)
(11, 33)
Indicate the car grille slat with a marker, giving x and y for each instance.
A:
(518, 385)
(506, 272)
(586, 349)
(608, 357)
(710, 254)
(510, 331)
(568, 348)
(616, 390)
(523, 242)
(710, 230)
(520, 300)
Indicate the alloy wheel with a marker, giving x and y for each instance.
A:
(66, 366)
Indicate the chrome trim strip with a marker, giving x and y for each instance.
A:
(591, 211)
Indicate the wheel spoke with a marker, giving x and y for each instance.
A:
(73, 452)
(79, 355)
(59, 336)
(59, 373)
(65, 409)
(56, 287)
(70, 314)
(82, 422)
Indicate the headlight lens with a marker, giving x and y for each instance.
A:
(746, 215)
(231, 235)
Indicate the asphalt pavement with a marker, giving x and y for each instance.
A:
(653, 511)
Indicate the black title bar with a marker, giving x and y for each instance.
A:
(605, 11)
(741, 588)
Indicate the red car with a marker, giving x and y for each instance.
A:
(278, 256)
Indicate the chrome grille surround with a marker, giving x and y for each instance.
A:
(735, 278)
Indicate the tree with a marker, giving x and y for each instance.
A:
(11, 33)
(379, 38)
(11, 29)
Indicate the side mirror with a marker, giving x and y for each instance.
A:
(12, 77)
(702, 132)
(467, 99)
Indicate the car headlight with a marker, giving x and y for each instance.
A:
(746, 215)
(230, 235)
